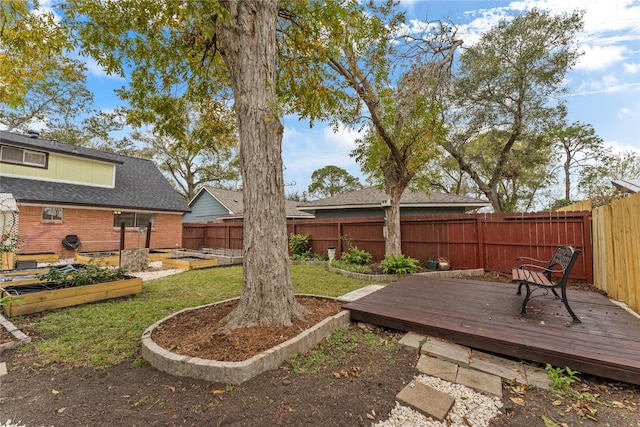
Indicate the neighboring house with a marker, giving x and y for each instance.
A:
(631, 186)
(63, 189)
(370, 202)
(217, 204)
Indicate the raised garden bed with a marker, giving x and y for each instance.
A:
(160, 254)
(43, 257)
(37, 297)
(104, 259)
(189, 263)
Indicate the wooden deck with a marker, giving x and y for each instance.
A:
(486, 316)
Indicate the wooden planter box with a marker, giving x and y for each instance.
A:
(39, 257)
(106, 259)
(189, 263)
(159, 254)
(49, 299)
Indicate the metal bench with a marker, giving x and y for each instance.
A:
(540, 276)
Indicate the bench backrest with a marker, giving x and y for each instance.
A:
(564, 257)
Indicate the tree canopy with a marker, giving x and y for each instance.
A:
(507, 85)
(332, 180)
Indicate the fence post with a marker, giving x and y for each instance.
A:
(480, 233)
(588, 248)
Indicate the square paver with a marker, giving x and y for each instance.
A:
(504, 368)
(446, 350)
(481, 381)
(426, 400)
(437, 368)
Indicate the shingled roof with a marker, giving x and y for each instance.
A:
(369, 197)
(139, 185)
(233, 200)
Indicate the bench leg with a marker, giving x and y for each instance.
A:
(526, 298)
(519, 288)
(566, 304)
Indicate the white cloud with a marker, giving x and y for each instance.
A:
(626, 112)
(96, 69)
(631, 68)
(600, 57)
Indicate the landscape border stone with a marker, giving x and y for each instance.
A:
(237, 372)
(20, 337)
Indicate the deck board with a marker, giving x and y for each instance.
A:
(486, 316)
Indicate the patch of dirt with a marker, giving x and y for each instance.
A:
(196, 334)
(359, 389)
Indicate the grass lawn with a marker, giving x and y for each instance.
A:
(109, 332)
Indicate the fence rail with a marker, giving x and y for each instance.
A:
(489, 241)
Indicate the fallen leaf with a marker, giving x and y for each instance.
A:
(173, 389)
(548, 422)
(336, 374)
(217, 391)
(556, 403)
(371, 417)
(54, 391)
(517, 400)
(61, 410)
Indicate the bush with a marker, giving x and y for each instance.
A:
(299, 244)
(354, 268)
(356, 256)
(399, 264)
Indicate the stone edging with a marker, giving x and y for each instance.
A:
(236, 372)
(20, 337)
(395, 277)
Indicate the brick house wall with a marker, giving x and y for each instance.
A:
(94, 228)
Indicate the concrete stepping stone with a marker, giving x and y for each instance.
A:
(481, 381)
(437, 368)
(508, 369)
(426, 400)
(359, 293)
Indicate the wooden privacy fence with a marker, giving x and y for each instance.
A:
(616, 250)
(489, 241)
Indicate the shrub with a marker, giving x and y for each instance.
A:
(399, 264)
(354, 268)
(299, 244)
(356, 256)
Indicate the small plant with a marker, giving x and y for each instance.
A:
(354, 268)
(356, 256)
(399, 264)
(299, 244)
(562, 378)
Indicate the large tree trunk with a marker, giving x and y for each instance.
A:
(247, 43)
(396, 180)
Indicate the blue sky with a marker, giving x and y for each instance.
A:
(604, 86)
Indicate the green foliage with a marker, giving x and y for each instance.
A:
(347, 266)
(332, 180)
(562, 378)
(299, 244)
(399, 264)
(505, 104)
(87, 275)
(356, 256)
(595, 179)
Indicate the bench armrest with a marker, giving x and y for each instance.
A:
(544, 269)
(533, 259)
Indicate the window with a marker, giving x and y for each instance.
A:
(134, 219)
(23, 157)
(51, 214)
